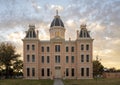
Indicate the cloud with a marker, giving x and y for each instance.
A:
(36, 6)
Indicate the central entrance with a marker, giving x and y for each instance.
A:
(57, 72)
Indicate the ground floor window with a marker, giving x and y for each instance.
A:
(72, 72)
(82, 71)
(48, 72)
(67, 72)
(28, 71)
(42, 71)
(33, 71)
(87, 71)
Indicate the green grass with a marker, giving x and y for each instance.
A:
(93, 82)
(25, 82)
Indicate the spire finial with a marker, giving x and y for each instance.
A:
(56, 11)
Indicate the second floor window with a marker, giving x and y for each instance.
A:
(67, 59)
(82, 58)
(57, 48)
(42, 59)
(33, 58)
(48, 59)
(87, 58)
(57, 59)
(72, 59)
(28, 58)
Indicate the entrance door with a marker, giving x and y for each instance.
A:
(57, 72)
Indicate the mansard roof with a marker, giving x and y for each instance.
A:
(57, 21)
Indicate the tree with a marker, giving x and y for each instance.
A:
(17, 67)
(98, 68)
(7, 57)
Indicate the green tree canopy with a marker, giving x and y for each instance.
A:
(7, 57)
(98, 68)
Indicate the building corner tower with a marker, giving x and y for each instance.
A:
(30, 53)
(84, 52)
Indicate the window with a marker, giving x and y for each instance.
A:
(48, 49)
(57, 59)
(72, 72)
(42, 49)
(33, 47)
(67, 59)
(72, 59)
(42, 59)
(72, 49)
(30, 33)
(33, 58)
(67, 72)
(87, 71)
(67, 49)
(82, 47)
(33, 71)
(87, 58)
(28, 71)
(82, 71)
(28, 58)
(57, 48)
(82, 58)
(42, 73)
(48, 72)
(87, 47)
(34, 34)
(28, 47)
(48, 59)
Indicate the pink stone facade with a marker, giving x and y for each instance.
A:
(57, 57)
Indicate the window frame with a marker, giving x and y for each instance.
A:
(28, 47)
(28, 58)
(82, 47)
(33, 58)
(72, 49)
(33, 47)
(67, 49)
(42, 59)
(72, 59)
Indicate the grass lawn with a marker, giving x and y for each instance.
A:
(25, 82)
(93, 82)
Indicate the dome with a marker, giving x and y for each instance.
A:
(57, 21)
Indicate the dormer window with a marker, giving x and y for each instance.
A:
(31, 32)
(83, 32)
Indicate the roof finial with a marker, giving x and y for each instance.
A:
(56, 11)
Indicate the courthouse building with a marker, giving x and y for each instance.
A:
(57, 57)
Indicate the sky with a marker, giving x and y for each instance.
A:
(102, 18)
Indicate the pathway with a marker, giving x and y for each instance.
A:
(58, 82)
